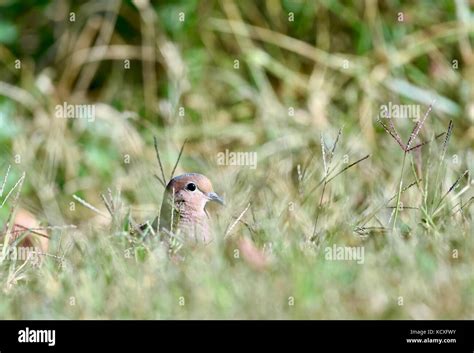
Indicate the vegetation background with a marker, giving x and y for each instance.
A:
(279, 78)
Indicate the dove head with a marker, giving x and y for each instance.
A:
(192, 191)
(183, 207)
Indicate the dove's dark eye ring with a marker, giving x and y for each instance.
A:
(191, 187)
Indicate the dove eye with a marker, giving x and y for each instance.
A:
(191, 187)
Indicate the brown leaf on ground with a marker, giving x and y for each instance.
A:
(26, 222)
(254, 256)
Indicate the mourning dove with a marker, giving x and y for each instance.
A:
(183, 210)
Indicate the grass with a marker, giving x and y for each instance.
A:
(303, 95)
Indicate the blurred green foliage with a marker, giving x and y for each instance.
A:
(238, 75)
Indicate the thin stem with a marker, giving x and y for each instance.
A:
(399, 191)
(319, 208)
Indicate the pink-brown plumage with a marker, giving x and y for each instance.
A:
(183, 210)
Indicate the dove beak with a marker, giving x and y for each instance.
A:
(214, 197)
